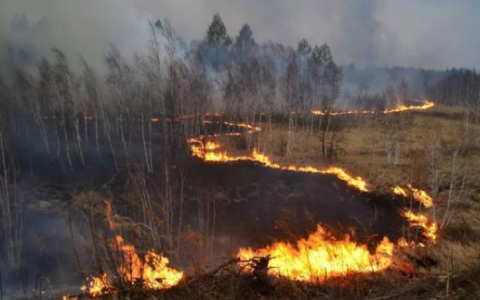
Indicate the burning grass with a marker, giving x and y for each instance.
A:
(424, 105)
(318, 258)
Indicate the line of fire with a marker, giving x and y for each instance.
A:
(230, 168)
(314, 258)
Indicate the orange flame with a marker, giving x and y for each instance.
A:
(209, 152)
(430, 228)
(399, 191)
(97, 286)
(426, 104)
(422, 197)
(341, 113)
(417, 194)
(321, 256)
(153, 271)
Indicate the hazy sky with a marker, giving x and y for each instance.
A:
(420, 33)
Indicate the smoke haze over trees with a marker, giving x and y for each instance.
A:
(366, 32)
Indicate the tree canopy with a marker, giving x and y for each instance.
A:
(217, 33)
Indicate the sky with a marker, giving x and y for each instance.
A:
(412, 33)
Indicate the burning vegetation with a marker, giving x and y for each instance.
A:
(227, 169)
(314, 259)
(426, 104)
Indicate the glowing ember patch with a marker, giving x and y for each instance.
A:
(321, 256)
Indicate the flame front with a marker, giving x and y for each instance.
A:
(153, 271)
(417, 194)
(429, 228)
(341, 113)
(210, 152)
(321, 256)
(426, 104)
(401, 108)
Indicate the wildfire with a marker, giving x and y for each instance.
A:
(422, 197)
(426, 104)
(418, 220)
(312, 259)
(152, 271)
(209, 152)
(341, 113)
(250, 128)
(417, 194)
(399, 191)
(97, 286)
(321, 256)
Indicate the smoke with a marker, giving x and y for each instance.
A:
(429, 34)
(31, 28)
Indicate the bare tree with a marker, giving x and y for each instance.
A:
(325, 80)
(10, 201)
(395, 127)
(290, 87)
(63, 90)
(90, 83)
